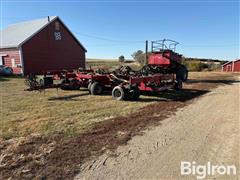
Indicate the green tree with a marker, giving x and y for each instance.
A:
(136, 54)
(121, 58)
(139, 56)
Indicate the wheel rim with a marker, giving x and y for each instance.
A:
(98, 89)
(131, 93)
(117, 93)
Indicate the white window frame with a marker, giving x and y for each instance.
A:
(1, 58)
(13, 62)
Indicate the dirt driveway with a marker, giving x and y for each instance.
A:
(205, 131)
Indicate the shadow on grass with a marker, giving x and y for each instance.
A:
(168, 95)
(214, 81)
(8, 78)
(68, 97)
(171, 95)
(4, 78)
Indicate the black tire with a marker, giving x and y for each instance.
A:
(63, 85)
(72, 85)
(178, 85)
(89, 87)
(133, 94)
(118, 93)
(185, 75)
(96, 88)
(182, 74)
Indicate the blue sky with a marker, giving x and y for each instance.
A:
(108, 29)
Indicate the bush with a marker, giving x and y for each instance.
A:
(195, 65)
(140, 57)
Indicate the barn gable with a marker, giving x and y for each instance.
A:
(40, 46)
(54, 48)
(15, 35)
(231, 66)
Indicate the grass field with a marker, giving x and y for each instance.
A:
(52, 111)
(109, 64)
(49, 112)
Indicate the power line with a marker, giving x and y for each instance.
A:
(143, 41)
(107, 39)
(210, 45)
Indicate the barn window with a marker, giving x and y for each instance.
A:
(57, 26)
(13, 62)
(57, 36)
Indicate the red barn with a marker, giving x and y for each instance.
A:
(40, 45)
(232, 66)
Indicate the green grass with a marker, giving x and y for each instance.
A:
(52, 111)
(108, 64)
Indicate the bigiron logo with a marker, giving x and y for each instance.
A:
(202, 171)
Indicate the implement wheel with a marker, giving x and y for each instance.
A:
(96, 88)
(133, 94)
(89, 87)
(118, 93)
(182, 74)
(178, 85)
(70, 85)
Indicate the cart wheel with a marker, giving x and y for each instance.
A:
(63, 85)
(89, 87)
(133, 93)
(41, 82)
(182, 74)
(74, 84)
(178, 85)
(118, 93)
(96, 88)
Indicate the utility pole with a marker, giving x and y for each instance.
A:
(146, 52)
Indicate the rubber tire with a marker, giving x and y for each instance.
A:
(69, 87)
(121, 93)
(134, 95)
(63, 86)
(74, 86)
(185, 75)
(89, 87)
(178, 85)
(182, 74)
(96, 88)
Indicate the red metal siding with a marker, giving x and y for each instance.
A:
(44, 53)
(232, 67)
(227, 67)
(7, 60)
(236, 66)
(163, 58)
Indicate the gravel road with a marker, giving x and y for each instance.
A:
(205, 131)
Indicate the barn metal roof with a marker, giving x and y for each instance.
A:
(15, 35)
(230, 62)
